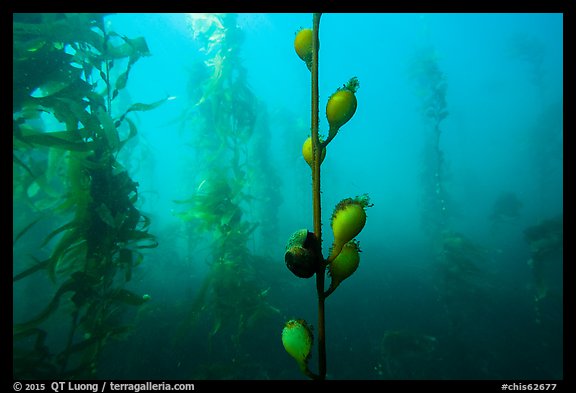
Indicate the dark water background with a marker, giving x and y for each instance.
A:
(398, 316)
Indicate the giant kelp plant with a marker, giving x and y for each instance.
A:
(432, 87)
(69, 188)
(546, 157)
(457, 260)
(546, 133)
(224, 126)
(304, 250)
(458, 257)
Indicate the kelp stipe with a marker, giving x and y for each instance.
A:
(304, 250)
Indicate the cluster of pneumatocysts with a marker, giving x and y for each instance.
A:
(303, 252)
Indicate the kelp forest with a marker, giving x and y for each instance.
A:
(191, 194)
(70, 189)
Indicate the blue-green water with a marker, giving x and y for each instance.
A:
(457, 139)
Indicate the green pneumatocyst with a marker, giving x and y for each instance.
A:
(297, 339)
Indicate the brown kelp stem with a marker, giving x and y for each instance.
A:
(303, 255)
(315, 138)
(316, 199)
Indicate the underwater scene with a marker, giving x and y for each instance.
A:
(276, 197)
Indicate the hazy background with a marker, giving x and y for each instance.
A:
(490, 143)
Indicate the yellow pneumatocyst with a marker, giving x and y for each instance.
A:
(307, 151)
(303, 45)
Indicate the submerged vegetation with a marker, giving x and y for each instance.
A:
(432, 85)
(234, 194)
(152, 249)
(545, 236)
(464, 281)
(458, 262)
(66, 137)
(303, 255)
(546, 254)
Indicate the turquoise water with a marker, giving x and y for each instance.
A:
(457, 139)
